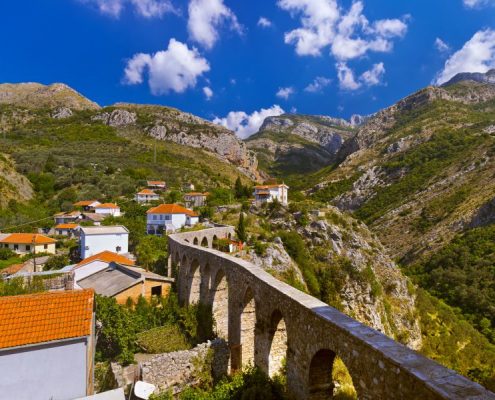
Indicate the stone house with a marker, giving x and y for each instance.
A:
(108, 209)
(146, 196)
(69, 230)
(28, 243)
(87, 205)
(67, 217)
(195, 199)
(169, 218)
(47, 355)
(95, 239)
(268, 193)
(125, 281)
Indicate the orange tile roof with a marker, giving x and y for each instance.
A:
(107, 205)
(171, 209)
(146, 191)
(106, 256)
(85, 203)
(196, 194)
(12, 269)
(28, 238)
(43, 317)
(156, 182)
(66, 226)
(270, 186)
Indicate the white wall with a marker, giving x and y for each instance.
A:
(93, 244)
(50, 372)
(108, 211)
(178, 220)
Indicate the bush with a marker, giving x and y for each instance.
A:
(5, 254)
(163, 339)
(56, 262)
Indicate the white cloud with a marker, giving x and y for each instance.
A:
(441, 46)
(478, 3)
(347, 35)
(477, 55)
(205, 16)
(318, 84)
(348, 81)
(208, 92)
(264, 22)
(175, 69)
(243, 124)
(144, 8)
(285, 93)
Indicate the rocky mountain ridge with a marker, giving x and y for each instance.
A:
(487, 77)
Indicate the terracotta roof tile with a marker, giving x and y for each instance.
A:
(107, 205)
(43, 317)
(146, 191)
(106, 256)
(171, 209)
(85, 203)
(27, 238)
(66, 226)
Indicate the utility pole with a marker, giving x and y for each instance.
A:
(34, 252)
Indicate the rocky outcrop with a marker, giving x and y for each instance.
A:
(13, 185)
(116, 118)
(487, 77)
(62, 112)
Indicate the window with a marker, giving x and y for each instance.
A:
(156, 291)
(16, 247)
(45, 246)
(86, 248)
(28, 247)
(154, 217)
(118, 248)
(168, 217)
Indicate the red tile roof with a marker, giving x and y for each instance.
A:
(107, 205)
(156, 182)
(147, 191)
(66, 226)
(85, 203)
(27, 238)
(270, 186)
(171, 209)
(44, 317)
(106, 256)
(11, 269)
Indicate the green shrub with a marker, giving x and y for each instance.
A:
(163, 339)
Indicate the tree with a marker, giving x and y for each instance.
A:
(241, 228)
(56, 262)
(238, 188)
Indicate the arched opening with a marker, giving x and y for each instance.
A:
(214, 243)
(278, 345)
(204, 242)
(229, 235)
(220, 304)
(195, 241)
(329, 378)
(194, 280)
(248, 325)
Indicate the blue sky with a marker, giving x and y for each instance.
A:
(216, 58)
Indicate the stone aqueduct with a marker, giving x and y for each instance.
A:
(266, 321)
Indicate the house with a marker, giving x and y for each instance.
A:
(108, 209)
(268, 193)
(66, 229)
(169, 218)
(28, 243)
(145, 196)
(95, 239)
(47, 343)
(96, 263)
(87, 205)
(160, 185)
(188, 187)
(123, 282)
(67, 217)
(35, 264)
(93, 217)
(195, 199)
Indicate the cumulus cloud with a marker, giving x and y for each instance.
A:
(347, 35)
(478, 3)
(144, 8)
(441, 46)
(318, 84)
(175, 69)
(243, 124)
(285, 92)
(477, 55)
(205, 16)
(208, 92)
(348, 81)
(264, 22)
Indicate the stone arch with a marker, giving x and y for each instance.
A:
(277, 336)
(320, 381)
(248, 326)
(195, 241)
(194, 283)
(229, 235)
(220, 304)
(214, 241)
(204, 242)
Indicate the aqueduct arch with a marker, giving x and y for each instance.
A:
(254, 307)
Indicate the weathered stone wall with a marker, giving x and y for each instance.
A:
(269, 320)
(174, 371)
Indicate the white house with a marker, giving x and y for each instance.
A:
(268, 193)
(108, 209)
(47, 345)
(95, 239)
(87, 205)
(146, 196)
(28, 243)
(169, 218)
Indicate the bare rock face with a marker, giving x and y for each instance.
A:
(62, 112)
(116, 118)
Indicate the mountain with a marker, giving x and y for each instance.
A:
(298, 144)
(487, 77)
